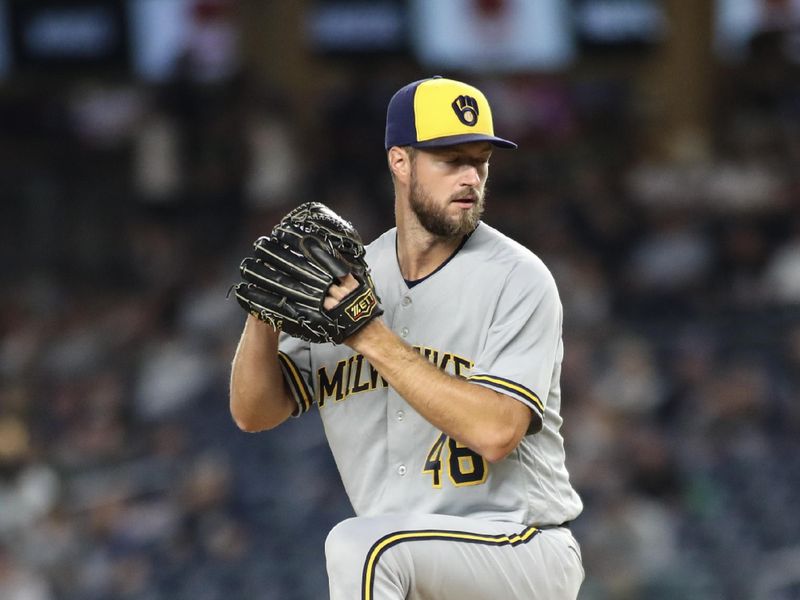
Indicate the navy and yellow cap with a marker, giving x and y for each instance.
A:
(439, 112)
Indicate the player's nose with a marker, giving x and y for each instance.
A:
(471, 177)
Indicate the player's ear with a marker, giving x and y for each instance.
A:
(400, 159)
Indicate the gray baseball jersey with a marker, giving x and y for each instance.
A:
(490, 314)
(435, 519)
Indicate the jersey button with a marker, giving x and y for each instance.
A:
(404, 332)
(405, 301)
(401, 470)
(400, 415)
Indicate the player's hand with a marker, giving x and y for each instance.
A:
(286, 279)
(338, 291)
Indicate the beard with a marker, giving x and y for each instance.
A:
(434, 218)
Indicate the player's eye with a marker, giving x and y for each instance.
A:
(457, 161)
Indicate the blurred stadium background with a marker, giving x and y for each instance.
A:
(145, 143)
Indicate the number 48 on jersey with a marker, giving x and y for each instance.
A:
(464, 467)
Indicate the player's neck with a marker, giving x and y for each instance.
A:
(419, 252)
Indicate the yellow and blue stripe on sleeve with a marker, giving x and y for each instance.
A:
(300, 392)
(512, 388)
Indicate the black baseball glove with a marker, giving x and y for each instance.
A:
(288, 276)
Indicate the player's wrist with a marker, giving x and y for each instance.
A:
(368, 336)
(262, 330)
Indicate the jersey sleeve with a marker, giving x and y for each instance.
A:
(294, 356)
(523, 343)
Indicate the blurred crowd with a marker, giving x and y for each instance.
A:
(126, 210)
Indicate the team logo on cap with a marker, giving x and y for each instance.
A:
(466, 109)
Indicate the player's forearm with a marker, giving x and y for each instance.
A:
(258, 396)
(488, 422)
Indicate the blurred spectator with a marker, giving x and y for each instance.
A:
(28, 488)
(782, 273)
(17, 582)
(630, 382)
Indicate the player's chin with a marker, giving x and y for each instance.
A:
(468, 214)
(465, 223)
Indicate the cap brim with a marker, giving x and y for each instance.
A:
(453, 140)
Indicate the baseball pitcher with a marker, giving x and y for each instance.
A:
(433, 355)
